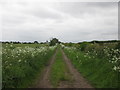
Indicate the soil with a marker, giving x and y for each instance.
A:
(77, 80)
(43, 80)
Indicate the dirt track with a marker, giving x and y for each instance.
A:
(43, 81)
(77, 81)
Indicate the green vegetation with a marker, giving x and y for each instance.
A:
(98, 63)
(59, 71)
(54, 41)
(22, 62)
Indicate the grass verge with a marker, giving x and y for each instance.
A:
(96, 70)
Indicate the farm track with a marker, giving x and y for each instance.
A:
(43, 81)
(77, 80)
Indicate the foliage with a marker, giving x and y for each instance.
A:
(21, 64)
(36, 42)
(54, 41)
(83, 46)
(100, 64)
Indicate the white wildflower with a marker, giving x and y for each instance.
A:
(19, 60)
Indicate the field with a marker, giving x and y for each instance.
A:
(22, 62)
(64, 65)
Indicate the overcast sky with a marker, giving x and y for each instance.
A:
(67, 21)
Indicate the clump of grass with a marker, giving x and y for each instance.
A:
(58, 70)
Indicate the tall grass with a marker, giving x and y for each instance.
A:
(98, 70)
(20, 65)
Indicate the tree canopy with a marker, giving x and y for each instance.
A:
(54, 41)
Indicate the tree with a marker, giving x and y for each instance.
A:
(83, 46)
(54, 41)
(36, 42)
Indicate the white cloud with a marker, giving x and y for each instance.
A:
(68, 21)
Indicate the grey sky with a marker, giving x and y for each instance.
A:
(67, 21)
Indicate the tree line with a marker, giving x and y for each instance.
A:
(55, 41)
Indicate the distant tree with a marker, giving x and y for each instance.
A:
(54, 41)
(83, 46)
(118, 45)
(36, 42)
